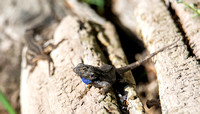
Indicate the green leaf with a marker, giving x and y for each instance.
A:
(194, 16)
(6, 104)
(192, 5)
(99, 3)
(198, 11)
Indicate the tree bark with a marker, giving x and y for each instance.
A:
(177, 71)
(15, 17)
(84, 36)
(190, 24)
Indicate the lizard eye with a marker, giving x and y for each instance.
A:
(84, 68)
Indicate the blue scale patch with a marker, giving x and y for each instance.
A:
(86, 81)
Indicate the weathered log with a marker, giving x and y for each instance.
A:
(177, 72)
(190, 24)
(15, 17)
(59, 93)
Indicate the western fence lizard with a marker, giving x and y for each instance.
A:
(36, 51)
(106, 75)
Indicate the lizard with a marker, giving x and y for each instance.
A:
(105, 76)
(37, 52)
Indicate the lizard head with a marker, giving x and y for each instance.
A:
(91, 74)
(86, 72)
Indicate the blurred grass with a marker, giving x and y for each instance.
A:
(6, 104)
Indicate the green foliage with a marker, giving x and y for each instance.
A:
(98, 3)
(6, 104)
(190, 6)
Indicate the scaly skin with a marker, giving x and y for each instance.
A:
(105, 76)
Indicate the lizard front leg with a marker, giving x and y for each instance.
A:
(85, 91)
(104, 85)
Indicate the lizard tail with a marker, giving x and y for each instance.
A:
(131, 66)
